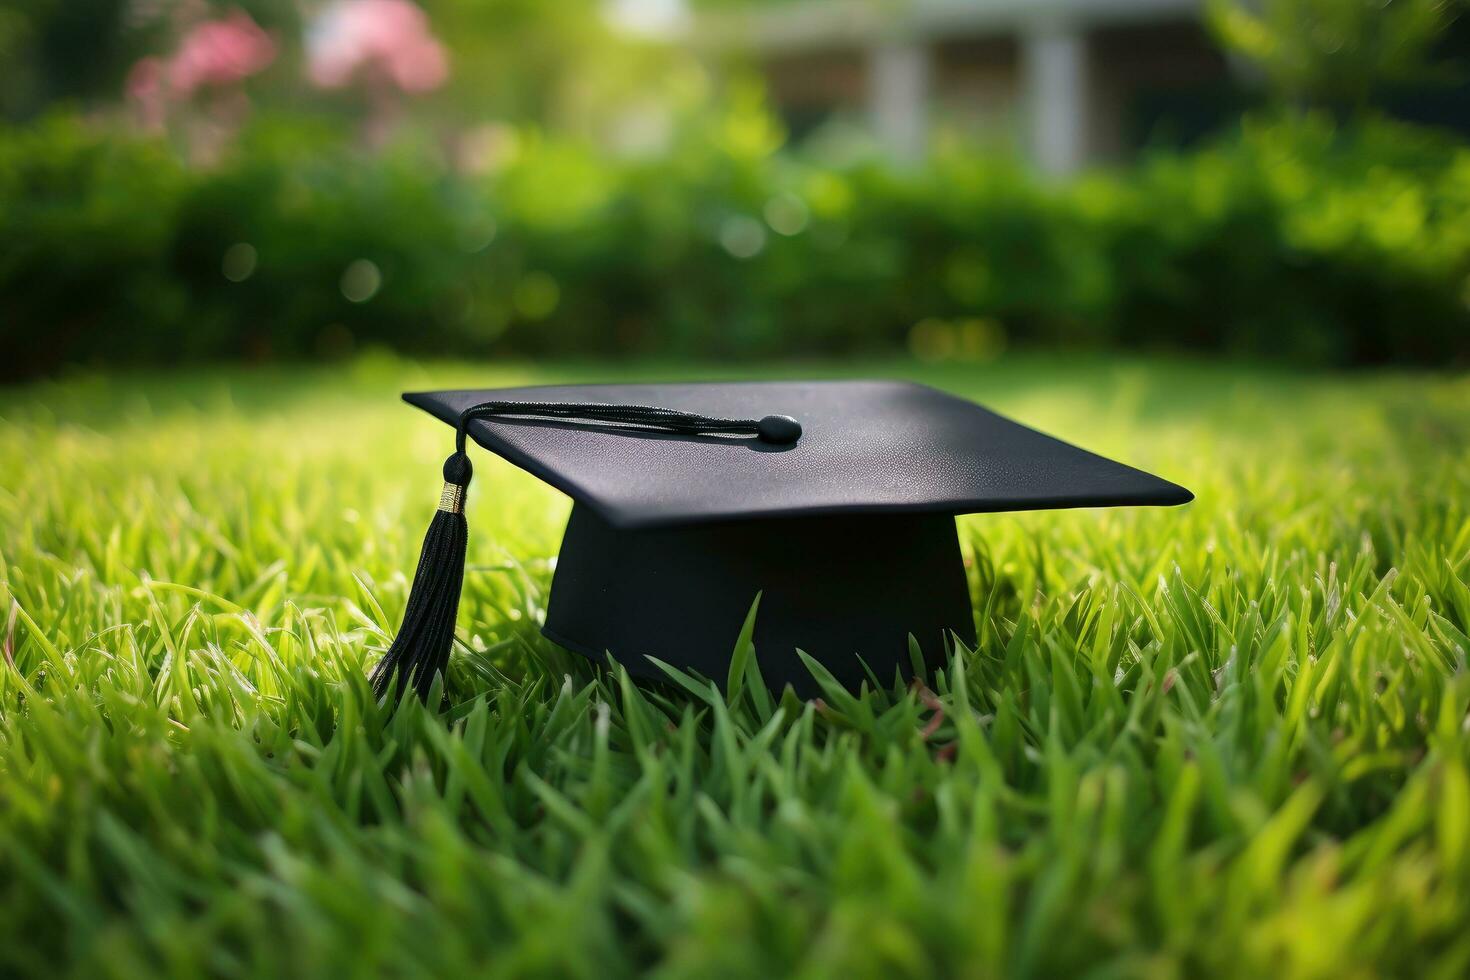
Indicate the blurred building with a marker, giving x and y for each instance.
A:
(1074, 81)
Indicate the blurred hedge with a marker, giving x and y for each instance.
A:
(1285, 241)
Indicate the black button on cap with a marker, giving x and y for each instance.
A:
(780, 429)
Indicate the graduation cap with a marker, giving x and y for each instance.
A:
(834, 500)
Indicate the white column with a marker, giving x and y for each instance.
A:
(898, 95)
(1054, 60)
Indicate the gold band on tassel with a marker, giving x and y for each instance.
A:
(451, 501)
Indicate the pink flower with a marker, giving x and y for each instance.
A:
(148, 92)
(217, 53)
(213, 56)
(389, 39)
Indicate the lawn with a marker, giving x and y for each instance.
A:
(1227, 739)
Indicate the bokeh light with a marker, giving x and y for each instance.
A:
(361, 280)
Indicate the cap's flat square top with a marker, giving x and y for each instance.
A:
(866, 447)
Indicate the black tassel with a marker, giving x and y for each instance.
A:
(421, 648)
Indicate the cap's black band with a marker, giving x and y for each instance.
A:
(781, 429)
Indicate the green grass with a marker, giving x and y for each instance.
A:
(1229, 739)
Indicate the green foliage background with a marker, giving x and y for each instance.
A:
(1294, 239)
(1229, 739)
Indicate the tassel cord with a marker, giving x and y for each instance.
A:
(771, 428)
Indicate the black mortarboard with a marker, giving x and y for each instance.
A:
(834, 500)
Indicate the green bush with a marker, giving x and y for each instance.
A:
(1298, 242)
(87, 222)
(1288, 240)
